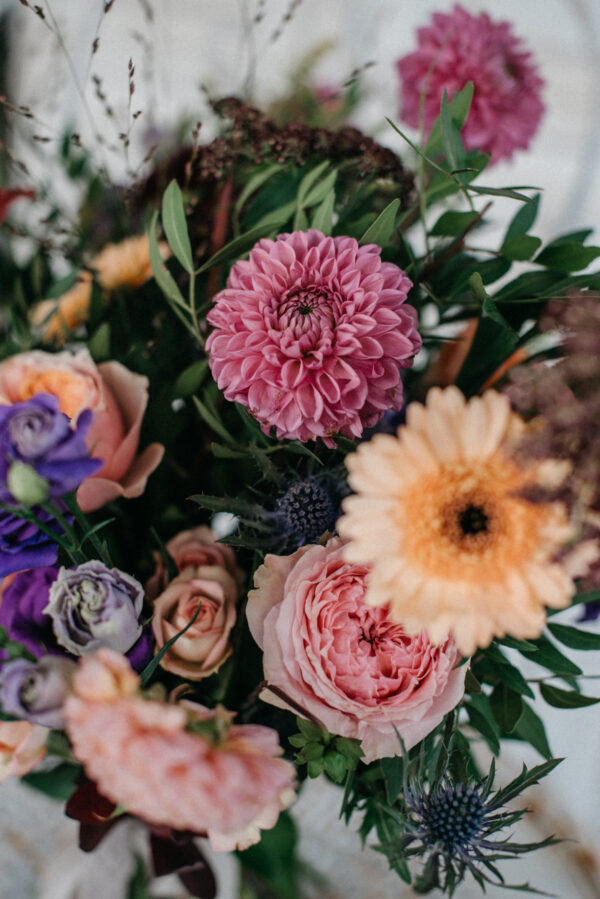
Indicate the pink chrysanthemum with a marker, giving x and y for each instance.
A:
(311, 334)
(160, 761)
(457, 48)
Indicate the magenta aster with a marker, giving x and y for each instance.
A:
(457, 48)
(311, 334)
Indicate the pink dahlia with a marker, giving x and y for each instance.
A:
(457, 48)
(311, 334)
(164, 763)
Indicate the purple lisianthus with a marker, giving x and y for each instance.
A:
(23, 545)
(40, 448)
(92, 606)
(36, 691)
(22, 611)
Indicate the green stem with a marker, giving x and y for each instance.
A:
(21, 512)
(84, 524)
(75, 551)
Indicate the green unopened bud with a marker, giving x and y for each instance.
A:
(26, 485)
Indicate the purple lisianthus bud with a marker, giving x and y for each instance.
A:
(93, 606)
(22, 611)
(37, 434)
(36, 691)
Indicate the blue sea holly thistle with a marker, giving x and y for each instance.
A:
(455, 828)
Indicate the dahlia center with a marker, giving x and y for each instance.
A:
(307, 310)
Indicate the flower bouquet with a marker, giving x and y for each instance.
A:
(296, 478)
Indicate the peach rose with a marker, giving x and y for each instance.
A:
(196, 547)
(204, 647)
(145, 755)
(346, 663)
(22, 747)
(117, 398)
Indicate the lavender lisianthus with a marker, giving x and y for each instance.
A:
(92, 606)
(36, 435)
(36, 691)
(22, 610)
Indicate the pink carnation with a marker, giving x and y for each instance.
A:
(311, 334)
(457, 48)
(144, 755)
(346, 663)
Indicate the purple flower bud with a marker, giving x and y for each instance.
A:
(36, 691)
(92, 606)
(36, 433)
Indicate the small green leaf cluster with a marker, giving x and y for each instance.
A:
(323, 753)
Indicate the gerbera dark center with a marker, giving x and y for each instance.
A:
(473, 520)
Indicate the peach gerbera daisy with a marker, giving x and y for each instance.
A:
(440, 514)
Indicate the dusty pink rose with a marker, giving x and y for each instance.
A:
(205, 646)
(144, 755)
(311, 334)
(22, 747)
(459, 47)
(344, 662)
(117, 398)
(194, 548)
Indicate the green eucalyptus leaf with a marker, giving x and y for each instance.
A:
(549, 656)
(175, 225)
(530, 728)
(320, 191)
(253, 183)
(190, 379)
(266, 227)
(458, 109)
(524, 219)
(567, 257)
(507, 707)
(493, 343)
(520, 247)
(566, 699)
(454, 150)
(309, 180)
(452, 223)
(573, 637)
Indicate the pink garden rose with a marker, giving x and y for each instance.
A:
(311, 334)
(22, 747)
(194, 548)
(205, 646)
(117, 398)
(459, 47)
(344, 662)
(144, 755)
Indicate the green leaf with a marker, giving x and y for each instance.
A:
(493, 343)
(226, 452)
(511, 192)
(190, 379)
(320, 191)
(213, 421)
(310, 752)
(452, 224)
(482, 719)
(308, 181)
(573, 637)
(309, 729)
(459, 109)
(139, 884)
(322, 219)
(175, 225)
(382, 229)
(239, 245)
(472, 685)
(530, 728)
(162, 275)
(348, 747)
(99, 343)
(521, 645)
(151, 667)
(58, 783)
(454, 150)
(549, 656)
(507, 707)
(392, 774)
(524, 219)
(335, 766)
(527, 778)
(567, 257)
(520, 247)
(274, 858)
(566, 699)
(257, 180)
